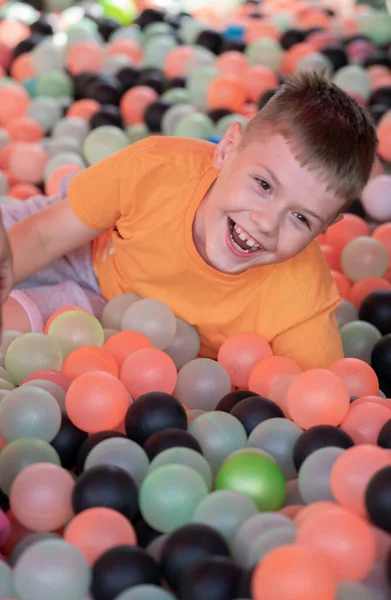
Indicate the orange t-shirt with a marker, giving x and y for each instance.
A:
(147, 196)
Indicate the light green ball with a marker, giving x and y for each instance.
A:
(354, 79)
(177, 96)
(156, 50)
(7, 587)
(376, 25)
(19, 11)
(190, 29)
(75, 329)
(123, 11)
(169, 496)
(55, 84)
(184, 456)
(255, 475)
(57, 6)
(225, 123)
(265, 52)
(155, 29)
(137, 132)
(102, 142)
(201, 59)
(32, 352)
(145, 592)
(359, 339)
(316, 63)
(282, 20)
(198, 84)
(195, 125)
(132, 32)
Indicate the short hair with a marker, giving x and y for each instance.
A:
(326, 129)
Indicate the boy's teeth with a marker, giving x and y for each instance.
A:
(251, 243)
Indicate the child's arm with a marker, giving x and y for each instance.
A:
(316, 343)
(45, 236)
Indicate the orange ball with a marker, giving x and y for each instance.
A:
(227, 92)
(365, 420)
(22, 67)
(383, 235)
(258, 80)
(59, 312)
(126, 46)
(332, 256)
(337, 534)
(362, 288)
(343, 232)
(12, 32)
(124, 343)
(373, 400)
(52, 184)
(278, 393)
(293, 572)
(232, 63)
(257, 29)
(84, 109)
(176, 61)
(291, 511)
(268, 371)
(384, 135)
(96, 530)
(24, 129)
(135, 101)
(83, 56)
(148, 370)
(352, 472)
(104, 404)
(315, 509)
(343, 284)
(89, 358)
(240, 353)
(23, 191)
(359, 378)
(294, 55)
(318, 397)
(14, 101)
(27, 161)
(312, 16)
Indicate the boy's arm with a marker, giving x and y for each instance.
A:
(45, 236)
(316, 343)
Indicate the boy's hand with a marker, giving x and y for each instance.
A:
(6, 271)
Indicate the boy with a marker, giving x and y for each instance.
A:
(224, 235)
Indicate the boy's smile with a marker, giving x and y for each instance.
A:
(264, 207)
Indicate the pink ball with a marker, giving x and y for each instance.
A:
(27, 162)
(376, 198)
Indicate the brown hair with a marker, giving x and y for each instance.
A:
(326, 129)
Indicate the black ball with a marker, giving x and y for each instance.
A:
(381, 363)
(213, 577)
(170, 438)
(175, 82)
(153, 78)
(231, 399)
(128, 77)
(378, 57)
(218, 113)
(4, 501)
(107, 486)
(235, 45)
(315, 438)
(151, 413)
(90, 443)
(122, 568)
(337, 55)
(186, 547)
(291, 37)
(68, 442)
(144, 533)
(266, 96)
(148, 16)
(154, 114)
(42, 26)
(356, 208)
(175, 19)
(255, 410)
(27, 44)
(106, 27)
(106, 115)
(210, 39)
(382, 95)
(378, 499)
(82, 83)
(376, 309)
(377, 111)
(105, 89)
(384, 439)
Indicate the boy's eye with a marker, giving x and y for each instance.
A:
(264, 185)
(302, 219)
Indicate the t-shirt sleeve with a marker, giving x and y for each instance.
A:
(315, 343)
(102, 194)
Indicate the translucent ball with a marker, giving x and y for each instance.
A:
(277, 437)
(353, 78)
(156, 50)
(219, 435)
(376, 26)
(345, 313)
(30, 353)
(225, 511)
(20, 454)
(177, 96)
(29, 412)
(75, 329)
(6, 340)
(114, 64)
(46, 56)
(173, 116)
(133, 32)
(187, 457)
(137, 132)
(376, 198)
(359, 339)
(198, 84)
(60, 160)
(102, 142)
(353, 590)
(202, 383)
(120, 452)
(190, 29)
(152, 318)
(185, 345)
(293, 496)
(73, 127)
(7, 587)
(315, 473)
(225, 123)
(57, 146)
(52, 570)
(115, 309)
(28, 541)
(364, 257)
(55, 84)
(169, 496)
(317, 63)
(270, 540)
(266, 52)
(201, 58)
(195, 125)
(145, 592)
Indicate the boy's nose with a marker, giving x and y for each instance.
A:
(266, 220)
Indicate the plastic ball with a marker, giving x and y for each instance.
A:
(365, 420)
(359, 339)
(228, 92)
(103, 142)
(384, 439)
(52, 569)
(314, 475)
(316, 438)
(213, 577)
(202, 383)
(27, 162)
(317, 63)
(375, 198)
(41, 497)
(194, 125)
(115, 309)
(185, 345)
(55, 84)
(156, 50)
(268, 371)
(145, 592)
(227, 403)
(183, 456)
(14, 102)
(359, 378)
(380, 361)
(169, 496)
(68, 442)
(239, 354)
(173, 116)
(152, 413)
(378, 498)
(153, 319)
(375, 309)
(74, 329)
(353, 79)
(122, 453)
(265, 543)
(256, 476)
(265, 52)
(105, 402)
(92, 441)
(169, 438)
(351, 590)
(219, 435)
(29, 412)
(198, 84)
(89, 359)
(255, 410)
(364, 257)
(135, 101)
(148, 370)
(96, 530)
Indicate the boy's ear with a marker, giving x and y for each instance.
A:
(227, 145)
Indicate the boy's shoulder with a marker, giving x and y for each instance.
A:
(186, 153)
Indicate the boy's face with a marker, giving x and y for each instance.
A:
(264, 208)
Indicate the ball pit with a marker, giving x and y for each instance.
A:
(130, 467)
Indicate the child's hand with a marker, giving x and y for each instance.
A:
(6, 271)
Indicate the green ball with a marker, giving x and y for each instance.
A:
(177, 96)
(7, 587)
(195, 125)
(30, 85)
(75, 329)
(256, 476)
(169, 496)
(376, 26)
(102, 142)
(137, 132)
(265, 52)
(184, 456)
(123, 11)
(32, 352)
(55, 84)
(156, 50)
(198, 84)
